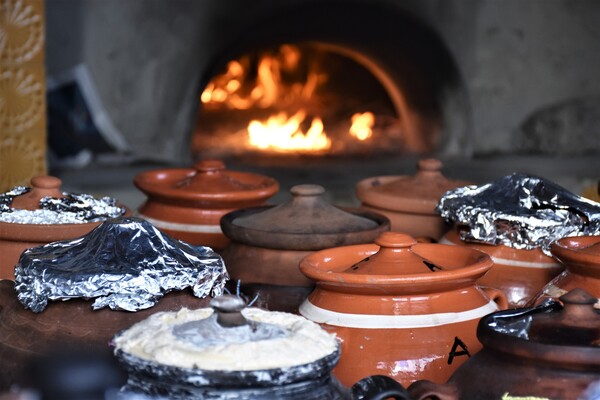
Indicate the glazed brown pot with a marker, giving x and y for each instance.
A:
(544, 352)
(267, 243)
(400, 308)
(188, 203)
(519, 273)
(73, 324)
(581, 257)
(409, 201)
(16, 238)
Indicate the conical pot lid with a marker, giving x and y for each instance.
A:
(397, 262)
(41, 186)
(209, 182)
(413, 194)
(305, 222)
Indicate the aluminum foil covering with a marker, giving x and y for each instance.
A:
(74, 208)
(520, 211)
(124, 263)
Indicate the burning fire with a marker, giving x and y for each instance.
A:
(237, 89)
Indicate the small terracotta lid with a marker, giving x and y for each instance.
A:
(581, 253)
(41, 186)
(399, 261)
(306, 222)
(413, 194)
(209, 182)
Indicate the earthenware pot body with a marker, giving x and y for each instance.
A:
(400, 308)
(581, 257)
(267, 243)
(547, 352)
(519, 273)
(188, 203)
(65, 324)
(15, 238)
(409, 201)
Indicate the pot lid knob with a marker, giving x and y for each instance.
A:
(41, 186)
(229, 310)
(307, 190)
(209, 166)
(429, 165)
(227, 326)
(395, 240)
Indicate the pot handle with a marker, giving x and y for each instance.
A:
(427, 390)
(379, 387)
(497, 297)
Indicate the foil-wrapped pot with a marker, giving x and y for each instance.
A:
(124, 263)
(520, 211)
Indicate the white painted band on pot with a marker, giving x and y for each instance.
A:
(176, 226)
(512, 263)
(322, 316)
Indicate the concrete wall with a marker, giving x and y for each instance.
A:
(529, 68)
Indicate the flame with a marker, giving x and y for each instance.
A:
(284, 134)
(238, 89)
(362, 125)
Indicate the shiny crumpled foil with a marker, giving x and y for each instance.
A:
(74, 208)
(520, 211)
(124, 263)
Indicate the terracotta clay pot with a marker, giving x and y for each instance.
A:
(519, 273)
(409, 201)
(188, 203)
(267, 243)
(581, 257)
(65, 324)
(16, 238)
(400, 308)
(549, 352)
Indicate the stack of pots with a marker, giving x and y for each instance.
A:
(267, 243)
(400, 308)
(188, 203)
(410, 201)
(16, 237)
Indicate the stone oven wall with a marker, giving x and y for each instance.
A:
(526, 69)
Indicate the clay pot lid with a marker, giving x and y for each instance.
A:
(209, 181)
(567, 335)
(399, 261)
(41, 186)
(305, 222)
(415, 194)
(581, 253)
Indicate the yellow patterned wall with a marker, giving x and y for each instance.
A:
(22, 92)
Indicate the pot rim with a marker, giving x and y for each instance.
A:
(299, 241)
(43, 233)
(152, 184)
(570, 251)
(223, 378)
(318, 267)
(565, 356)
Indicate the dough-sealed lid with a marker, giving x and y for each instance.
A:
(229, 337)
(414, 194)
(305, 222)
(209, 182)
